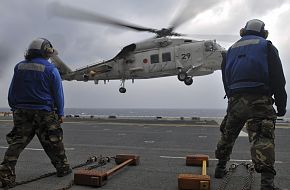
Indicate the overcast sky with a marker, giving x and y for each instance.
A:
(81, 43)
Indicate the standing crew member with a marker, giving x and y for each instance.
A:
(36, 99)
(252, 74)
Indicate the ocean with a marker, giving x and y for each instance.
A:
(144, 112)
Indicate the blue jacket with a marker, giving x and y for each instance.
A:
(254, 67)
(247, 64)
(36, 85)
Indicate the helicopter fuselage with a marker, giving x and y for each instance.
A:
(160, 57)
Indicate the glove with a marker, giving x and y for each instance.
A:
(281, 112)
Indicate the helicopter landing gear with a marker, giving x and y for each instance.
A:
(188, 81)
(122, 89)
(86, 77)
(182, 75)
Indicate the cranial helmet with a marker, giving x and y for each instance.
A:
(254, 27)
(39, 47)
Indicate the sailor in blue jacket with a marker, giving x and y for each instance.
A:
(252, 74)
(37, 101)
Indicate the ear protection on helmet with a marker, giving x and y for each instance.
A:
(242, 32)
(255, 27)
(46, 48)
(264, 33)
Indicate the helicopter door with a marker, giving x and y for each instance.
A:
(167, 61)
(161, 61)
(154, 62)
(157, 62)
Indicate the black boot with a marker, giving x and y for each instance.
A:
(64, 171)
(267, 181)
(7, 176)
(220, 170)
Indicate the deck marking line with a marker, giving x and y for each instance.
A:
(36, 149)
(243, 134)
(213, 159)
(149, 141)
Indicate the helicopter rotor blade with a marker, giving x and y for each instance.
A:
(190, 10)
(69, 12)
(218, 37)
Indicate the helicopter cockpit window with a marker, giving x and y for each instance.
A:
(154, 58)
(166, 57)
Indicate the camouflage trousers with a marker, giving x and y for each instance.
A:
(257, 112)
(46, 126)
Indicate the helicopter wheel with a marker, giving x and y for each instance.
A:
(86, 77)
(182, 76)
(188, 81)
(122, 90)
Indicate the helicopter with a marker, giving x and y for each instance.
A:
(167, 54)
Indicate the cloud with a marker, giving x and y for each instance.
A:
(4, 57)
(81, 43)
(261, 7)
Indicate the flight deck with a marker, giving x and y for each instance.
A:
(161, 143)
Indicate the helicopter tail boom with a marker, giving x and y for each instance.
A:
(63, 69)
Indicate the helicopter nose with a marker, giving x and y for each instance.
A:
(219, 47)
